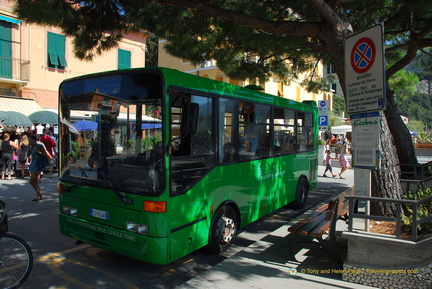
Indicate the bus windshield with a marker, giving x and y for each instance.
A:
(111, 131)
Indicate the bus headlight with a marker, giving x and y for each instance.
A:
(70, 211)
(142, 229)
(131, 226)
(137, 228)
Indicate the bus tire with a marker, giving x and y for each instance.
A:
(301, 194)
(223, 229)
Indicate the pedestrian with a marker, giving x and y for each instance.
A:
(50, 144)
(40, 159)
(338, 147)
(343, 159)
(7, 150)
(24, 154)
(327, 138)
(328, 164)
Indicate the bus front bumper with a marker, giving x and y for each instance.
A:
(144, 248)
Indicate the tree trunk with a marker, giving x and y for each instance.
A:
(385, 180)
(402, 137)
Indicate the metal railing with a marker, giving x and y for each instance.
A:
(414, 175)
(397, 219)
(14, 68)
(415, 172)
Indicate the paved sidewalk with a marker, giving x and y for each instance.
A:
(264, 264)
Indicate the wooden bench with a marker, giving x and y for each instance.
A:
(314, 227)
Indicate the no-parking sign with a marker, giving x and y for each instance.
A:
(364, 71)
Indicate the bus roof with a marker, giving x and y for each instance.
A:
(181, 79)
(176, 78)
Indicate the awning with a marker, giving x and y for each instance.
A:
(341, 129)
(11, 20)
(25, 106)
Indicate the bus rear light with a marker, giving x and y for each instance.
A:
(155, 206)
(137, 228)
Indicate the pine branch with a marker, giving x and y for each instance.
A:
(290, 28)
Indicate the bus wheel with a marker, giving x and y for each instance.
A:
(223, 230)
(301, 194)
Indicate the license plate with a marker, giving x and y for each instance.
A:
(99, 214)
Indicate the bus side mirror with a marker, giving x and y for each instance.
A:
(189, 118)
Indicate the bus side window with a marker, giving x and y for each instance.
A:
(284, 131)
(254, 131)
(227, 131)
(304, 133)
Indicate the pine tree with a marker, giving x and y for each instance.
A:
(251, 38)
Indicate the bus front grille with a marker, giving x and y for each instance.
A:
(99, 235)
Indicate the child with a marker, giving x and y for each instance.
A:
(328, 164)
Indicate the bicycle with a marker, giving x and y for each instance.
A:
(16, 257)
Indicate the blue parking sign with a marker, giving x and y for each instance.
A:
(323, 120)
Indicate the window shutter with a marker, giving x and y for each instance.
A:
(124, 59)
(5, 49)
(56, 51)
(61, 49)
(52, 51)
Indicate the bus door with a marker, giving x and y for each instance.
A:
(192, 140)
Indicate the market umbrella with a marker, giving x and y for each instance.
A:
(44, 117)
(84, 125)
(149, 126)
(3, 115)
(254, 87)
(17, 119)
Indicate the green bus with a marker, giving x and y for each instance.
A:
(156, 163)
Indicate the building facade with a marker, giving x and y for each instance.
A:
(275, 86)
(34, 60)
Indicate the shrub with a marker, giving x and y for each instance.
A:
(424, 138)
(424, 210)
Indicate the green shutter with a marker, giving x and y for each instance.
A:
(62, 58)
(52, 58)
(52, 50)
(56, 50)
(61, 49)
(5, 49)
(127, 60)
(120, 59)
(124, 59)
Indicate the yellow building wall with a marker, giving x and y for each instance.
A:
(292, 91)
(29, 43)
(45, 81)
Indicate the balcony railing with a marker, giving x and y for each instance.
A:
(14, 68)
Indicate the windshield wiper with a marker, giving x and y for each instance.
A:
(83, 174)
(126, 201)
